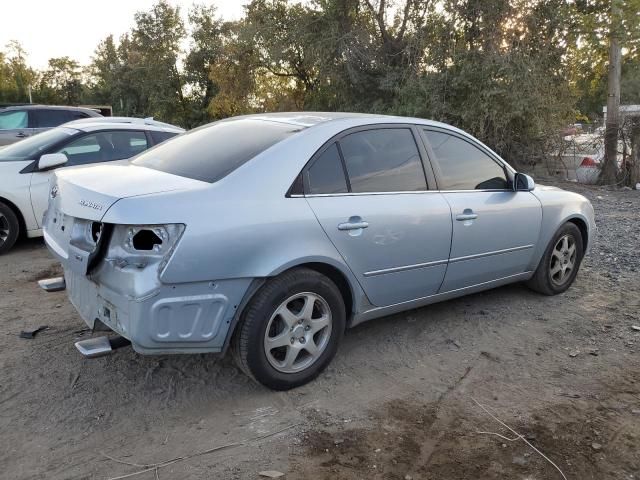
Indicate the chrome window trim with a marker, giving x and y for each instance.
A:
(416, 192)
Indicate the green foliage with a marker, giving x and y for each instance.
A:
(512, 72)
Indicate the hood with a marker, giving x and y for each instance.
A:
(545, 188)
(89, 192)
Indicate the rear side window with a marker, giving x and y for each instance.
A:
(464, 166)
(159, 137)
(211, 152)
(13, 119)
(383, 160)
(76, 115)
(326, 174)
(51, 118)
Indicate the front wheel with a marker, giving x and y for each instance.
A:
(560, 263)
(290, 330)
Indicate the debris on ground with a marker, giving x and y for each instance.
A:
(271, 474)
(33, 333)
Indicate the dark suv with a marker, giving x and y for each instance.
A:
(18, 122)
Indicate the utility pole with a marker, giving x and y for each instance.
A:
(634, 174)
(610, 167)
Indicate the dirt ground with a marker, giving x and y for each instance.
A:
(398, 402)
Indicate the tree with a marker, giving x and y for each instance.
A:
(610, 166)
(207, 47)
(61, 83)
(16, 77)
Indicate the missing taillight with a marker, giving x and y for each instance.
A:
(145, 240)
(96, 231)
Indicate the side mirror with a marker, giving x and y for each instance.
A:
(523, 183)
(51, 160)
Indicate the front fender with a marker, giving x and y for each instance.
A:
(558, 208)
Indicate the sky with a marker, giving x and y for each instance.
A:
(73, 28)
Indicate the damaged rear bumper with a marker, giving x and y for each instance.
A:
(110, 288)
(182, 318)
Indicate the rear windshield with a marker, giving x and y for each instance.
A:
(31, 148)
(211, 152)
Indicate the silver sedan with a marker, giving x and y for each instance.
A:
(269, 235)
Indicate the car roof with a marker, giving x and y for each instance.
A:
(32, 106)
(310, 119)
(121, 123)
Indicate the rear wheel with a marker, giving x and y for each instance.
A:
(560, 263)
(290, 330)
(9, 228)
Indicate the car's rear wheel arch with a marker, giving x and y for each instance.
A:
(331, 272)
(338, 278)
(18, 213)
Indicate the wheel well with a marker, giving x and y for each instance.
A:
(337, 277)
(16, 210)
(582, 226)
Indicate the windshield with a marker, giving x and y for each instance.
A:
(211, 152)
(31, 148)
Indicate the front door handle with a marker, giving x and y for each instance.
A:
(467, 214)
(21, 135)
(354, 223)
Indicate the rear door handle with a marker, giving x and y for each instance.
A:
(353, 225)
(21, 135)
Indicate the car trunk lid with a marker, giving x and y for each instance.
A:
(89, 192)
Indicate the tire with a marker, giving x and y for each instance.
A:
(273, 342)
(9, 228)
(547, 279)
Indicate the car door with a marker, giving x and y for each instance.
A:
(14, 126)
(369, 192)
(494, 228)
(93, 147)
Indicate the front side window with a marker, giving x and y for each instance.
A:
(383, 160)
(32, 147)
(104, 147)
(464, 166)
(13, 120)
(326, 175)
(211, 152)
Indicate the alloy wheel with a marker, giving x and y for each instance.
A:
(563, 259)
(4, 228)
(298, 332)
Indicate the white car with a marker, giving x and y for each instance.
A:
(26, 166)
